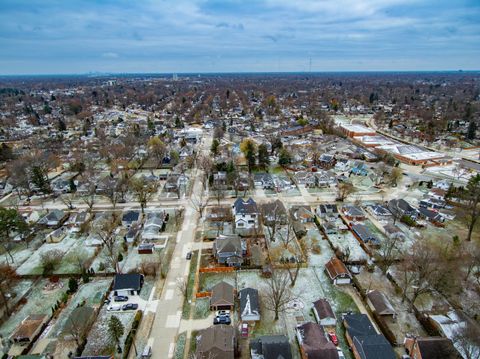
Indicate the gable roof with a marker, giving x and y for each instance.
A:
(358, 325)
(335, 268)
(222, 294)
(249, 304)
(324, 309)
(373, 347)
(437, 348)
(245, 207)
(131, 216)
(271, 347)
(230, 244)
(314, 342)
(127, 281)
(380, 303)
(218, 340)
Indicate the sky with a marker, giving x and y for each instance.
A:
(178, 36)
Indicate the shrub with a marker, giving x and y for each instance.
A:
(72, 285)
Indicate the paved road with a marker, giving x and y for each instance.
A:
(169, 311)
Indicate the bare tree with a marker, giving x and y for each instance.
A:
(51, 259)
(89, 199)
(199, 204)
(470, 206)
(182, 286)
(109, 240)
(68, 199)
(277, 293)
(389, 252)
(467, 340)
(218, 193)
(272, 219)
(287, 236)
(344, 190)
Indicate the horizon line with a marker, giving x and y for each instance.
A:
(101, 73)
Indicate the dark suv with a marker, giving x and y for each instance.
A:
(222, 320)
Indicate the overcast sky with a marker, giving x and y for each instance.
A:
(68, 36)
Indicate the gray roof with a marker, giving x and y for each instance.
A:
(245, 207)
(249, 303)
(373, 347)
(271, 347)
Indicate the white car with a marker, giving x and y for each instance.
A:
(114, 307)
(222, 313)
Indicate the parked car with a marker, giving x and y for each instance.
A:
(333, 338)
(114, 307)
(222, 320)
(130, 306)
(222, 313)
(120, 298)
(189, 256)
(147, 352)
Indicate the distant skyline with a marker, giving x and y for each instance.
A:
(179, 36)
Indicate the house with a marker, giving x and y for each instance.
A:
(130, 218)
(57, 235)
(217, 342)
(127, 284)
(245, 213)
(393, 232)
(77, 220)
(379, 304)
(326, 160)
(263, 181)
(313, 342)
(302, 214)
(229, 250)
(249, 305)
(364, 340)
(437, 193)
(364, 234)
(372, 347)
(324, 313)
(431, 216)
(132, 234)
(379, 211)
(222, 297)
(146, 248)
(353, 213)
(359, 169)
(29, 329)
(54, 218)
(274, 212)
(400, 207)
(154, 225)
(337, 271)
(431, 348)
(270, 347)
(342, 165)
(327, 210)
(432, 203)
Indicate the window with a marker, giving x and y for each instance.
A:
(240, 224)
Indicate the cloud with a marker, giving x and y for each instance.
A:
(261, 35)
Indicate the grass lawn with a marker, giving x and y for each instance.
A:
(190, 283)
(180, 345)
(202, 308)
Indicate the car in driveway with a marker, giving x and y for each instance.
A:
(114, 307)
(189, 256)
(120, 298)
(130, 306)
(333, 338)
(222, 320)
(222, 313)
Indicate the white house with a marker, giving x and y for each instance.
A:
(245, 213)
